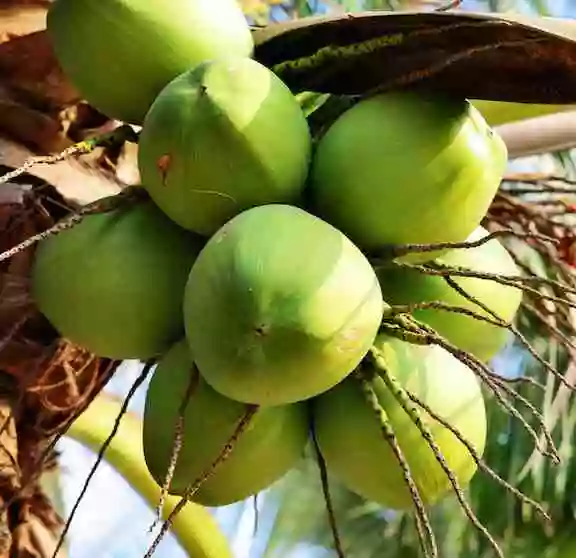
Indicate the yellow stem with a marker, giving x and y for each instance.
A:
(497, 113)
(194, 527)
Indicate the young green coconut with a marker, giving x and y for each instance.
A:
(120, 53)
(352, 442)
(221, 138)
(280, 306)
(403, 285)
(402, 168)
(114, 283)
(272, 444)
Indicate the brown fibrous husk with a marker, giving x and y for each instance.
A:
(45, 381)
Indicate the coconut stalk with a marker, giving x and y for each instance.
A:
(194, 527)
(543, 134)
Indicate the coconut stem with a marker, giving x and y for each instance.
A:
(414, 413)
(427, 335)
(517, 281)
(439, 305)
(137, 383)
(326, 490)
(423, 527)
(477, 458)
(195, 528)
(396, 251)
(224, 454)
(130, 194)
(176, 444)
(115, 137)
(513, 329)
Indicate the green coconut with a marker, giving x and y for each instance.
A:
(351, 439)
(221, 138)
(114, 283)
(280, 306)
(272, 444)
(404, 285)
(401, 168)
(120, 53)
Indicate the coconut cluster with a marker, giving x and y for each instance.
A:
(252, 271)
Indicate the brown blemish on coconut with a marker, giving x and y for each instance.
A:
(262, 330)
(163, 166)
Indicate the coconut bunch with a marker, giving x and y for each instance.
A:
(295, 285)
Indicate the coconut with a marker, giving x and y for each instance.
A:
(222, 138)
(405, 285)
(114, 283)
(353, 444)
(280, 306)
(120, 53)
(271, 445)
(402, 168)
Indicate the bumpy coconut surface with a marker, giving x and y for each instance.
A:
(120, 53)
(223, 137)
(280, 306)
(114, 283)
(402, 285)
(273, 443)
(403, 168)
(352, 442)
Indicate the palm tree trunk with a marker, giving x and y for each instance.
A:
(40, 113)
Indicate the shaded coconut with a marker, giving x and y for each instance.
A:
(114, 283)
(354, 447)
(271, 445)
(403, 285)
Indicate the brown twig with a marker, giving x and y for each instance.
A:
(176, 444)
(428, 336)
(326, 491)
(227, 450)
(137, 383)
(396, 251)
(423, 527)
(478, 459)
(129, 194)
(402, 399)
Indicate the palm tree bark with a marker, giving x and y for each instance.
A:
(40, 113)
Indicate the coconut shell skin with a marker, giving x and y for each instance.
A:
(272, 444)
(402, 285)
(355, 449)
(280, 306)
(221, 138)
(401, 168)
(120, 53)
(114, 283)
